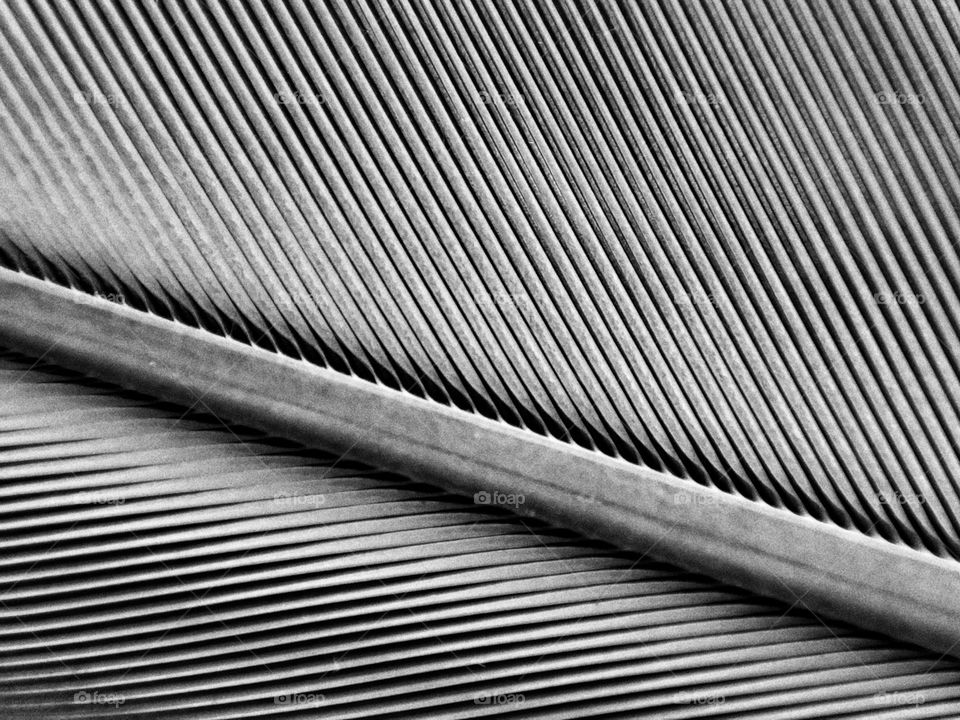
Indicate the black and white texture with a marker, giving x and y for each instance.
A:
(157, 564)
(715, 239)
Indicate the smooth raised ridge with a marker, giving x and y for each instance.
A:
(843, 574)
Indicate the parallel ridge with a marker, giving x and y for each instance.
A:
(714, 238)
(157, 563)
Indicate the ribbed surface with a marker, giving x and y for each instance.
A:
(711, 237)
(160, 564)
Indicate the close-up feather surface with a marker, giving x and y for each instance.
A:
(681, 274)
(159, 564)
